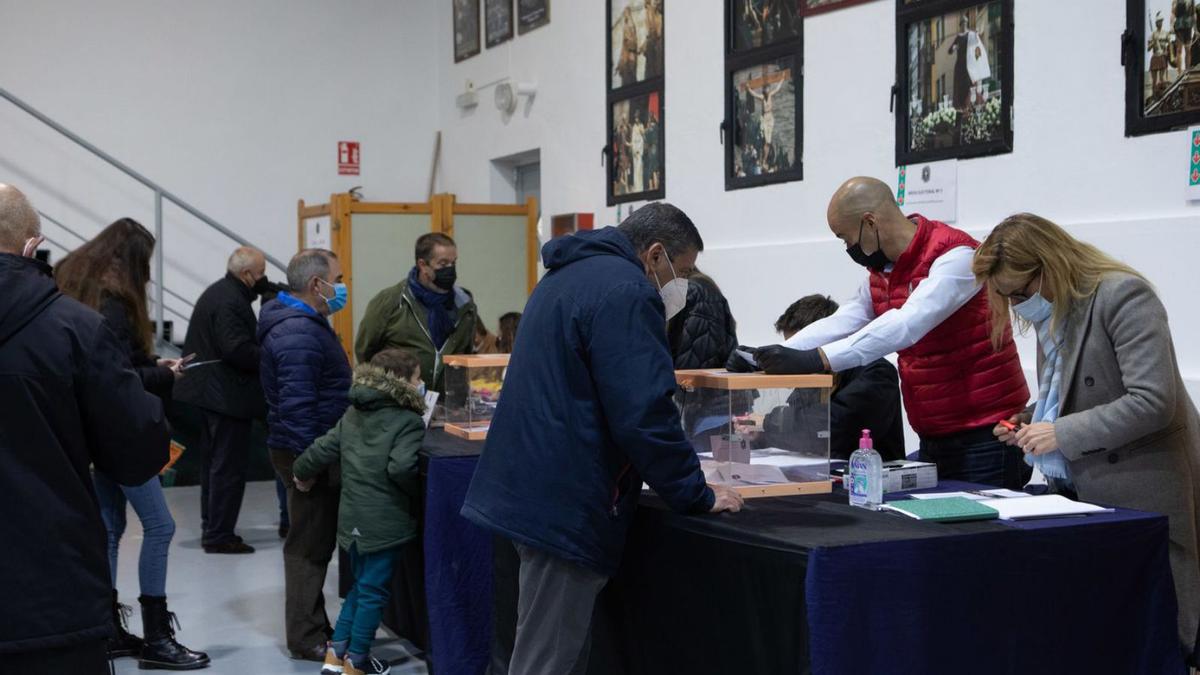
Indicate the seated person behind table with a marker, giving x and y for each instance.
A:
(376, 443)
(867, 397)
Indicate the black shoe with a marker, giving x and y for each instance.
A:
(161, 651)
(233, 547)
(316, 653)
(283, 531)
(123, 643)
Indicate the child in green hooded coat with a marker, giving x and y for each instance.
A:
(376, 441)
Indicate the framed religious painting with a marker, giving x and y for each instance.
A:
(763, 131)
(634, 85)
(635, 42)
(497, 21)
(811, 7)
(954, 75)
(466, 29)
(1161, 54)
(636, 148)
(532, 14)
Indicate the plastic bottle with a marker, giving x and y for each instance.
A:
(866, 475)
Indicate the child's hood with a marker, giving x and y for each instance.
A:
(375, 388)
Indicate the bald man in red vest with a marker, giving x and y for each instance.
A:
(920, 299)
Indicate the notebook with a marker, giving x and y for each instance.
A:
(947, 510)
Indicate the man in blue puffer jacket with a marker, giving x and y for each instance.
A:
(306, 379)
(587, 414)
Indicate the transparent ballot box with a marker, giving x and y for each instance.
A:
(763, 435)
(473, 385)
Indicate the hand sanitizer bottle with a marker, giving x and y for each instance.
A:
(866, 475)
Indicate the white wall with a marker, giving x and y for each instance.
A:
(768, 246)
(237, 107)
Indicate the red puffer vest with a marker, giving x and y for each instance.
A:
(952, 379)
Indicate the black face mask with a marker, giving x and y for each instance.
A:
(875, 261)
(445, 278)
(261, 286)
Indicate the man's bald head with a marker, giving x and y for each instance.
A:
(19, 221)
(859, 196)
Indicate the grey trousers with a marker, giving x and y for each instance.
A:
(307, 551)
(554, 615)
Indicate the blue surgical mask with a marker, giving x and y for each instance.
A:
(1035, 310)
(341, 295)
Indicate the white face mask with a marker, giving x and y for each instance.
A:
(674, 293)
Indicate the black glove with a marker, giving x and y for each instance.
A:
(737, 364)
(779, 360)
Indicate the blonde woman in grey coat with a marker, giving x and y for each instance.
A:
(1113, 423)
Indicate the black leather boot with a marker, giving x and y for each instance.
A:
(161, 651)
(123, 643)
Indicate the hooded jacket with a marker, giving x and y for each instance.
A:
(70, 399)
(377, 442)
(304, 371)
(587, 412)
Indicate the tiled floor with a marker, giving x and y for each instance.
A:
(232, 606)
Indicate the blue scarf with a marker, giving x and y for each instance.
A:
(443, 314)
(1051, 464)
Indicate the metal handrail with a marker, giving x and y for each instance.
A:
(80, 237)
(160, 193)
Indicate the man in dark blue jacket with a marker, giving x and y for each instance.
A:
(71, 400)
(587, 415)
(306, 380)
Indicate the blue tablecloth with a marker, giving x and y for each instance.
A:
(458, 562)
(809, 584)
(1089, 594)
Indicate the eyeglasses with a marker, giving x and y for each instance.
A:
(1022, 294)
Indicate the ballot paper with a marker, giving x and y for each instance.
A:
(742, 474)
(977, 495)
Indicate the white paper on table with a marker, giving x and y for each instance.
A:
(1041, 506)
(981, 495)
(431, 399)
(746, 474)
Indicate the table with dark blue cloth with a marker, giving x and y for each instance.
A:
(810, 584)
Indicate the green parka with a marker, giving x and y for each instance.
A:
(377, 442)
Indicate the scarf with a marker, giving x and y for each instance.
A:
(443, 314)
(1052, 464)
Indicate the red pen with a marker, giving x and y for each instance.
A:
(1007, 425)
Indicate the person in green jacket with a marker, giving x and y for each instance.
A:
(427, 314)
(376, 441)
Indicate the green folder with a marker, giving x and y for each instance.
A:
(946, 510)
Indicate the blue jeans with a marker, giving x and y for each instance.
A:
(157, 525)
(976, 456)
(362, 610)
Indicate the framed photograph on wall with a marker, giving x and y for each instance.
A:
(636, 148)
(812, 7)
(764, 146)
(763, 131)
(954, 75)
(466, 29)
(1162, 60)
(635, 42)
(497, 21)
(532, 14)
(761, 23)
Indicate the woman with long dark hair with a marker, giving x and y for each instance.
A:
(110, 274)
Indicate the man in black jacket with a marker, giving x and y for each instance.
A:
(863, 398)
(70, 400)
(225, 386)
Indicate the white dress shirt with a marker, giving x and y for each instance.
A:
(853, 336)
